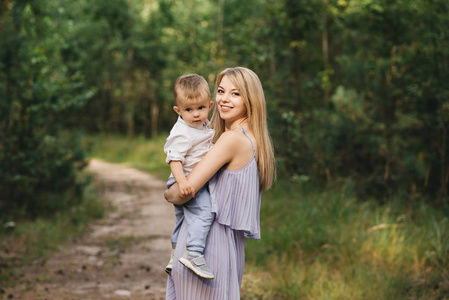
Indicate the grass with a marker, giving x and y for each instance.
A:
(140, 153)
(324, 244)
(32, 241)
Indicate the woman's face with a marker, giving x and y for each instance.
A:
(230, 104)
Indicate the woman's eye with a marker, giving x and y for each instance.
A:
(236, 94)
(220, 91)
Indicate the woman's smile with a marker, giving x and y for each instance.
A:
(225, 107)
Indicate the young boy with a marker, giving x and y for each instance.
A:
(188, 142)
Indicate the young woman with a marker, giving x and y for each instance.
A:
(238, 167)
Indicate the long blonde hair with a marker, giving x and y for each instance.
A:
(251, 91)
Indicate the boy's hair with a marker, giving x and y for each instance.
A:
(191, 87)
(251, 91)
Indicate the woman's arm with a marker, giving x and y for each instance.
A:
(220, 154)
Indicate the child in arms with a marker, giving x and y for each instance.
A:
(188, 142)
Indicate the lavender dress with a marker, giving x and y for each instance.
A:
(235, 197)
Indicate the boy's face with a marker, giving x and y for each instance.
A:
(194, 112)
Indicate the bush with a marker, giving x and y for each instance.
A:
(38, 174)
(37, 162)
(351, 140)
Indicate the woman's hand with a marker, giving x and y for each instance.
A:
(174, 195)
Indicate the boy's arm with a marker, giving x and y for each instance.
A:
(185, 188)
(220, 154)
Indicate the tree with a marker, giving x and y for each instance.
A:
(35, 87)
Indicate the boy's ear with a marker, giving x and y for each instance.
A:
(177, 110)
(211, 104)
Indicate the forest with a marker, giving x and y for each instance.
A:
(357, 90)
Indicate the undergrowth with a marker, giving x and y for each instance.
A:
(326, 244)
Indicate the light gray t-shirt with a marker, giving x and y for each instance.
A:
(188, 144)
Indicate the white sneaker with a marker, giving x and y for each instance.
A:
(197, 264)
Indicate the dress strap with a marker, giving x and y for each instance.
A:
(252, 144)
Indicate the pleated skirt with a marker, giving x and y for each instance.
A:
(225, 256)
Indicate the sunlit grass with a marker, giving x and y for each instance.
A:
(327, 245)
(140, 152)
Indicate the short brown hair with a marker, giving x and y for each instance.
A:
(191, 86)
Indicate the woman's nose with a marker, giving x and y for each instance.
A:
(225, 97)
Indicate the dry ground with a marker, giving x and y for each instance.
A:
(124, 255)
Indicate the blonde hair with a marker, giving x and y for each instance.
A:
(191, 87)
(251, 91)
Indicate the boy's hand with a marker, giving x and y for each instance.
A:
(186, 188)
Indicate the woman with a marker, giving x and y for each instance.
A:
(242, 161)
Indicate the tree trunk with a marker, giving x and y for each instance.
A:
(154, 119)
(325, 46)
(220, 33)
(129, 96)
(443, 188)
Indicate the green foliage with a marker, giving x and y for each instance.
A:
(118, 47)
(385, 124)
(356, 90)
(324, 244)
(37, 165)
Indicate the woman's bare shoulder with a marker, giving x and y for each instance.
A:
(233, 139)
(238, 147)
(229, 137)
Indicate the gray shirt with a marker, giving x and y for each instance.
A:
(188, 144)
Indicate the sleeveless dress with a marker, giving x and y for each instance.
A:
(235, 199)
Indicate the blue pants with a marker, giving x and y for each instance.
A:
(197, 213)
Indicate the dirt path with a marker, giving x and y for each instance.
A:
(124, 255)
